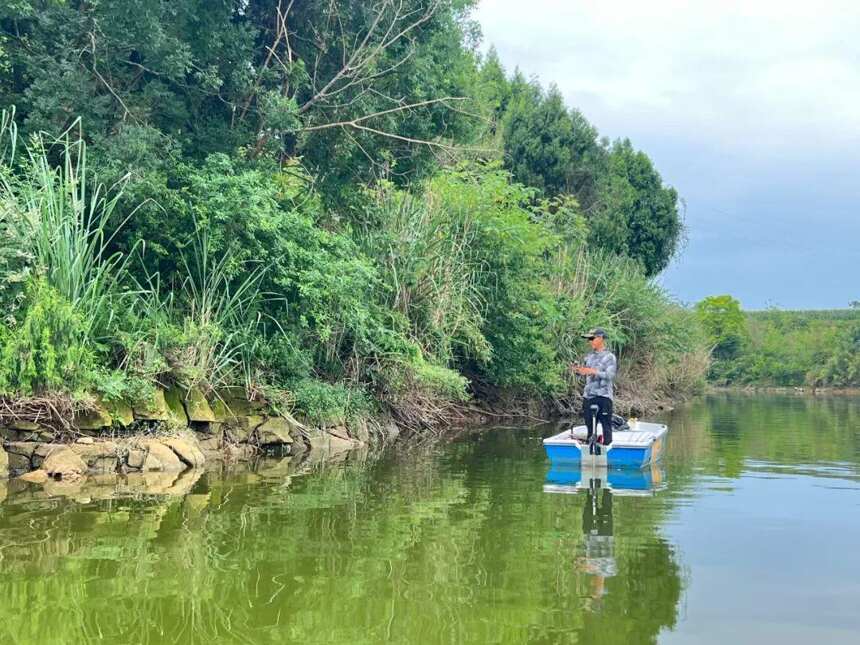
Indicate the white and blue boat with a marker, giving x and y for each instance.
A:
(636, 447)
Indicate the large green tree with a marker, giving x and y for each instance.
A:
(355, 88)
(538, 140)
(724, 322)
(637, 215)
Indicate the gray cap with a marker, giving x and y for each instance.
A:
(592, 333)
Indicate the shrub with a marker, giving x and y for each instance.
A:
(49, 349)
(321, 402)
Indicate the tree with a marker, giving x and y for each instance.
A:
(355, 88)
(492, 89)
(724, 322)
(638, 216)
(538, 141)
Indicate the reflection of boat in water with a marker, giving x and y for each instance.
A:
(636, 448)
(622, 482)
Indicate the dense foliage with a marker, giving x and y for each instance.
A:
(338, 205)
(782, 348)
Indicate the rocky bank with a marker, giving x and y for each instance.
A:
(171, 432)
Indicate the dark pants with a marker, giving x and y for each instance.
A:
(604, 415)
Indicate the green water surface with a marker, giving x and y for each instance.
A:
(748, 533)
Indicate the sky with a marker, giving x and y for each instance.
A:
(751, 110)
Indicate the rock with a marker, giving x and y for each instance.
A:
(360, 431)
(19, 454)
(35, 477)
(10, 434)
(27, 426)
(86, 441)
(298, 447)
(197, 407)
(186, 450)
(274, 431)
(135, 458)
(43, 451)
(100, 457)
(337, 444)
(222, 412)
(4, 463)
(94, 419)
(239, 430)
(339, 431)
(210, 441)
(391, 431)
(160, 458)
(121, 412)
(232, 402)
(173, 397)
(155, 409)
(328, 443)
(64, 464)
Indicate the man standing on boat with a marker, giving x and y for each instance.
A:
(599, 371)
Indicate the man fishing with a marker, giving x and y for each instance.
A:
(599, 371)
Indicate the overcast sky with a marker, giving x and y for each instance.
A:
(750, 109)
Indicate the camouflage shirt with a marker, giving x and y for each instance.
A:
(600, 384)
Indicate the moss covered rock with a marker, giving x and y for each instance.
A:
(152, 409)
(197, 407)
(175, 407)
(274, 431)
(121, 412)
(95, 419)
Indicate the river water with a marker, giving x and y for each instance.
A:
(747, 533)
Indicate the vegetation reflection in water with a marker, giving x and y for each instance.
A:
(461, 543)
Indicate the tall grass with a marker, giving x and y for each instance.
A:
(221, 320)
(424, 256)
(60, 212)
(202, 331)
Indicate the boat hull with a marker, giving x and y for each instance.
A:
(629, 449)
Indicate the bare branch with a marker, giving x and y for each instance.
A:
(107, 85)
(280, 32)
(400, 108)
(365, 53)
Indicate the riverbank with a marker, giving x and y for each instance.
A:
(792, 390)
(56, 439)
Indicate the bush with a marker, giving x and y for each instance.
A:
(49, 350)
(321, 402)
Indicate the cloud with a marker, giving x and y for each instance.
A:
(751, 109)
(741, 74)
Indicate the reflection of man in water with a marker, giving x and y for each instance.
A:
(599, 543)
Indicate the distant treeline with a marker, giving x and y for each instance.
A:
(782, 348)
(339, 205)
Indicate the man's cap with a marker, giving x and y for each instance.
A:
(592, 333)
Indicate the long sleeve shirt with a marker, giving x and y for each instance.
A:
(600, 384)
